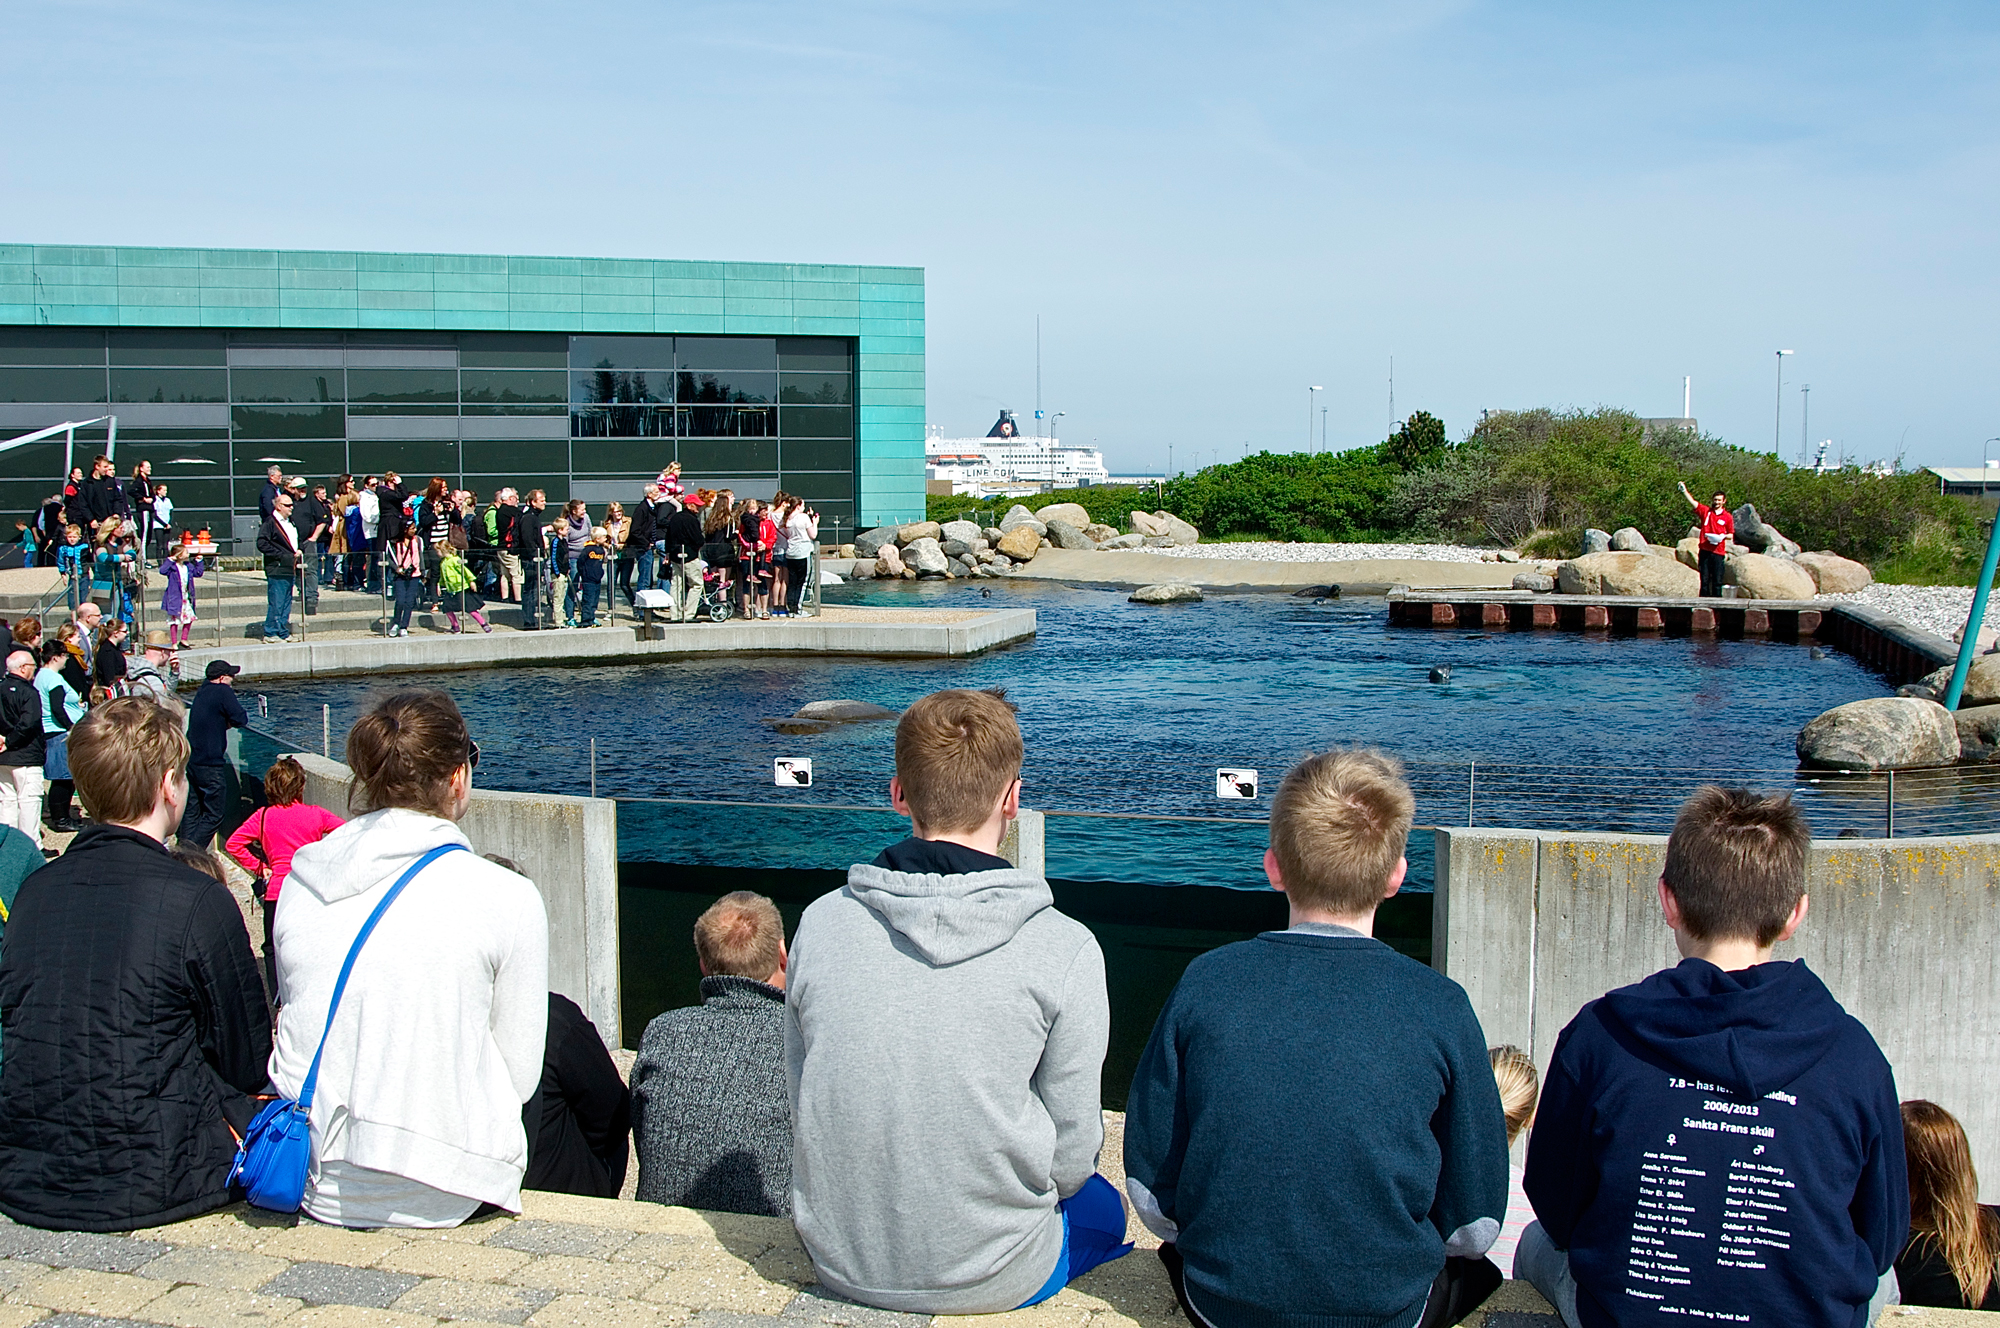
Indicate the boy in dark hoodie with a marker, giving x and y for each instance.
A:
(945, 1031)
(1720, 1141)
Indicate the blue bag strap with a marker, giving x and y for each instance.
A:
(354, 951)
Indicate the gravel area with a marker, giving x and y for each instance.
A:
(1939, 609)
(1276, 552)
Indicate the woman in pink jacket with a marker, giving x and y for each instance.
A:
(264, 844)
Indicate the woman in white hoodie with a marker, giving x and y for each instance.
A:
(438, 1040)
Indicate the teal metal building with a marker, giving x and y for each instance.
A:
(579, 376)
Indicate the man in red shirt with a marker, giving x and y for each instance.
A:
(1717, 526)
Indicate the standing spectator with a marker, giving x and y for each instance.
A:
(1514, 1074)
(945, 1031)
(61, 710)
(1272, 1216)
(406, 558)
(711, 1121)
(177, 574)
(643, 540)
(455, 584)
(684, 542)
(753, 561)
(109, 668)
(21, 731)
(571, 535)
(136, 1026)
(579, 1120)
(587, 569)
(314, 520)
(718, 538)
(1665, 1063)
(215, 711)
(340, 509)
(284, 556)
(267, 496)
(162, 524)
(1717, 528)
(441, 1031)
(1950, 1261)
(531, 546)
(264, 844)
(801, 539)
(156, 673)
(139, 502)
(70, 555)
(368, 502)
(618, 536)
(505, 514)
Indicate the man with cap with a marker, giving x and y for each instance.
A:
(154, 674)
(216, 710)
(683, 540)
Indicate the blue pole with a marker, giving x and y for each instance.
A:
(1970, 641)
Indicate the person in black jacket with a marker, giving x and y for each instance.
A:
(641, 536)
(579, 1121)
(684, 541)
(267, 497)
(278, 540)
(135, 1016)
(531, 545)
(21, 755)
(215, 711)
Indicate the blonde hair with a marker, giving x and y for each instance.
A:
(1338, 827)
(956, 754)
(1519, 1086)
(740, 935)
(1944, 1198)
(117, 754)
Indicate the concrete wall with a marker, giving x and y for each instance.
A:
(569, 848)
(1902, 931)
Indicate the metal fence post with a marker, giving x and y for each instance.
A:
(593, 767)
(1889, 808)
(1471, 789)
(326, 731)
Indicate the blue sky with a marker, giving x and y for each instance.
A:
(1211, 208)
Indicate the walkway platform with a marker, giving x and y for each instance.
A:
(838, 630)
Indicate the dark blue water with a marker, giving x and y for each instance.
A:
(1131, 708)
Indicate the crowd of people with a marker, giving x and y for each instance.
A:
(1316, 1130)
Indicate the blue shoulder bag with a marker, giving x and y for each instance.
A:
(275, 1157)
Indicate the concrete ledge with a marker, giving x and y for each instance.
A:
(621, 644)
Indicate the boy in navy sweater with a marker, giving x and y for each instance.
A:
(1720, 1141)
(1314, 1129)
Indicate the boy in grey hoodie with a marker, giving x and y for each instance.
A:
(945, 1029)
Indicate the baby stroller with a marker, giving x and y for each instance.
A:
(715, 594)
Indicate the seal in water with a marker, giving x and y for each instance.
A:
(1816, 653)
(1442, 673)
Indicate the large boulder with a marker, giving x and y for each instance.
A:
(924, 556)
(1978, 733)
(963, 531)
(1835, 575)
(1982, 682)
(888, 563)
(1627, 539)
(1595, 541)
(1174, 592)
(1131, 541)
(955, 548)
(1534, 581)
(992, 534)
(1627, 574)
(1076, 514)
(1761, 576)
(871, 542)
(1018, 515)
(1749, 528)
(1145, 523)
(1099, 532)
(1884, 733)
(1688, 552)
(916, 530)
(1179, 531)
(1020, 542)
(1066, 536)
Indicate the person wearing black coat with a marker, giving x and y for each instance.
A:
(579, 1121)
(531, 545)
(23, 752)
(284, 563)
(135, 1015)
(642, 534)
(684, 543)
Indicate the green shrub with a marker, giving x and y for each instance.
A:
(1112, 504)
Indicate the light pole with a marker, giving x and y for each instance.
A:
(1322, 426)
(1312, 400)
(1805, 421)
(1777, 444)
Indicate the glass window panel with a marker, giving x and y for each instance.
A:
(41, 462)
(378, 337)
(826, 353)
(744, 386)
(621, 421)
(399, 408)
(729, 421)
(51, 345)
(476, 409)
(603, 386)
(282, 385)
(621, 352)
(830, 454)
(289, 421)
(512, 458)
(131, 345)
(314, 460)
(163, 385)
(435, 386)
(818, 422)
(85, 385)
(726, 352)
(817, 389)
(513, 350)
(499, 386)
(831, 486)
(126, 435)
(630, 456)
(728, 456)
(416, 462)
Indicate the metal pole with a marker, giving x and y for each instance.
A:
(593, 767)
(1970, 641)
(1890, 806)
(326, 731)
(1471, 788)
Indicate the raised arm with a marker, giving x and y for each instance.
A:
(1692, 500)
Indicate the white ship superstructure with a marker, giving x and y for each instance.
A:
(1004, 462)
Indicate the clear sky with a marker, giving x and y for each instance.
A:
(1212, 208)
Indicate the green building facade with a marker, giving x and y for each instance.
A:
(579, 376)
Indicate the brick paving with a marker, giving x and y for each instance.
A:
(566, 1262)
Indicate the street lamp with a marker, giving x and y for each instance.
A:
(1312, 400)
(1777, 446)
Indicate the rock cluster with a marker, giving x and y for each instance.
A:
(1762, 563)
(957, 549)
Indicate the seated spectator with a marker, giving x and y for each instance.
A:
(441, 1030)
(136, 1027)
(579, 1121)
(1313, 1129)
(1954, 1239)
(264, 844)
(1519, 1086)
(1721, 1140)
(711, 1120)
(945, 1031)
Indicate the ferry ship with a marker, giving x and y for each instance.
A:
(1003, 462)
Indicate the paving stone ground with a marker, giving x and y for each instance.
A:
(566, 1262)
